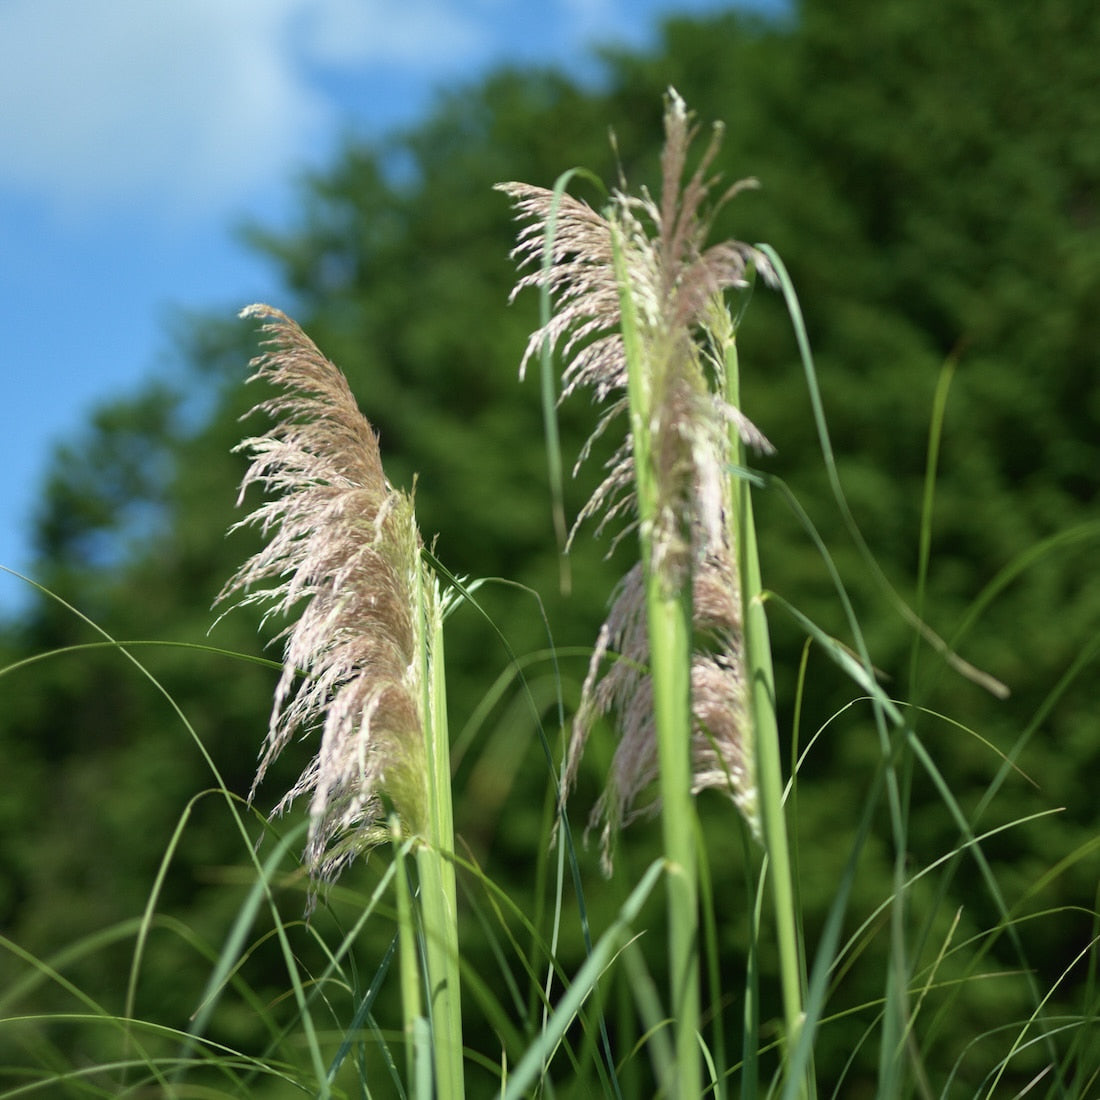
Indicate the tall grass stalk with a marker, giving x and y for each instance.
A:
(409, 966)
(435, 860)
(669, 615)
(363, 660)
(769, 770)
(641, 317)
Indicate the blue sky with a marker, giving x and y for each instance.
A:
(138, 133)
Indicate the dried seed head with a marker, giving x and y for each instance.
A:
(676, 285)
(342, 554)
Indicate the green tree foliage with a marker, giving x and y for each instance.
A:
(931, 175)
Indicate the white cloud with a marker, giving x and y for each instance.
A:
(190, 104)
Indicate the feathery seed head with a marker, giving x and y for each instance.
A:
(643, 271)
(342, 554)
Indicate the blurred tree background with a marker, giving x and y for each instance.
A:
(931, 176)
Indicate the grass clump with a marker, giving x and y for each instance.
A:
(644, 311)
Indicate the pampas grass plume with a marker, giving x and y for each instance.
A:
(341, 559)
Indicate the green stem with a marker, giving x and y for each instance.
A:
(762, 704)
(411, 1006)
(669, 618)
(670, 656)
(435, 863)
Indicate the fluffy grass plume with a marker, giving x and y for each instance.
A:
(677, 283)
(341, 559)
